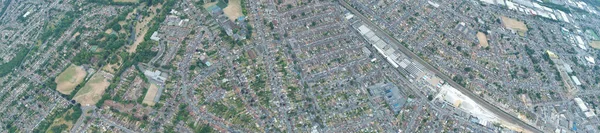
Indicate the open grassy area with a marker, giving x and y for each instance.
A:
(69, 79)
(60, 121)
(149, 98)
(482, 39)
(514, 24)
(141, 27)
(93, 89)
(233, 10)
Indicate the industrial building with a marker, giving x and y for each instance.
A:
(586, 111)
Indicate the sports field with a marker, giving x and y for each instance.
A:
(514, 24)
(149, 98)
(233, 10)
(482, 39)
(93, 89)
(69, 79)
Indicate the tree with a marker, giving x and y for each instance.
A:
(468, 69)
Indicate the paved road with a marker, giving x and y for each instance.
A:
(499, 112)
(112, 123)
(77, 127)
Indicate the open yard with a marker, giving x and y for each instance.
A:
(62, 121)
(111, 68)
(69, 79)
(141, 27)
(149, 98)
(93, 89)
(482, 39)
(595, 44)
(514, 24)
(233, 10)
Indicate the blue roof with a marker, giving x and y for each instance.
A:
(241, 18)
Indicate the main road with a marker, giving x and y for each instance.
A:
(499, 112)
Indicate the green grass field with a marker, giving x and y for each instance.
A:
(88, 86)
(93, 89)
(69, 79)
(67, 75)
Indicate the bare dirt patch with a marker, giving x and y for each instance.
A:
(69, 79)
(141, 27)
(595, 44)
(482, 39)
(76, 34)
(149, 98)
(93, 89)
(108, 31)
(110, 68)
(233, 10)
(514, 24)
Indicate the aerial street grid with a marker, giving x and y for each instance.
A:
(239, 66)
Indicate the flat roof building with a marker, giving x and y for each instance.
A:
(391, 94)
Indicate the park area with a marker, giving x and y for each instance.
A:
(142, 27)
(93, 89)
(514, 24)
(64, 120)
(69, 79)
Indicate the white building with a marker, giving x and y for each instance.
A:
(576, 80)
(155, 75)
(580, 104)
(155, 36)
